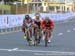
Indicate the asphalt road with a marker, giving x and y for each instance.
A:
(63, 39)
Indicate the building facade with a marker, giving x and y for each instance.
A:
(52, 6)
(58, 6)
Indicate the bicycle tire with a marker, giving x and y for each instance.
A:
(46, 42)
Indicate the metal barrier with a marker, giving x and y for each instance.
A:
(10, 30)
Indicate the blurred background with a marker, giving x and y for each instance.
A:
(32, 6)
(12, 14)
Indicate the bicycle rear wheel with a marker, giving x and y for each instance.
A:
(46, 42)
(46, 38)
(37, 36)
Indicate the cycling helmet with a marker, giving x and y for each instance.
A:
(37, 14)
(46, 17)
(27, 17)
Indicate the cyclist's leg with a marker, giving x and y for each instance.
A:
(35, 35)
(29, 37)
(27, 34)
(50, 33)
(23, 29)
(30, 32)
(46, 37)
(43, 34)
(40, 36)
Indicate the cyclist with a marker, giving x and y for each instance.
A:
(47, 24)
(27, 24)
(37, 23)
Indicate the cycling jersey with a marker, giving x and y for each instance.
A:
(48, 24)
(27, 23)
(37, 22)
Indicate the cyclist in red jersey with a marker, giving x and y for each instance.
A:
(47, 23)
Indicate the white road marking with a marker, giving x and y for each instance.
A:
(15, 49)
(74, 29)
(10, 50)
(68, 30)
(47, 54)
(5, 49)
(60, 34)
(40, 52)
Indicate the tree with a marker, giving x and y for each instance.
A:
(10, 0)
(7, 1)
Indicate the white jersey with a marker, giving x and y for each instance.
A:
(33, 18)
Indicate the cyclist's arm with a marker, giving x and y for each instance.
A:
(51, 25)
(42, 24)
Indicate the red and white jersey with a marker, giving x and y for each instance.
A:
(27, 23)
(49, 24)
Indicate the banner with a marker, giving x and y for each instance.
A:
(8, 21)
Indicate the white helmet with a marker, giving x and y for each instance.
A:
(46, 17)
